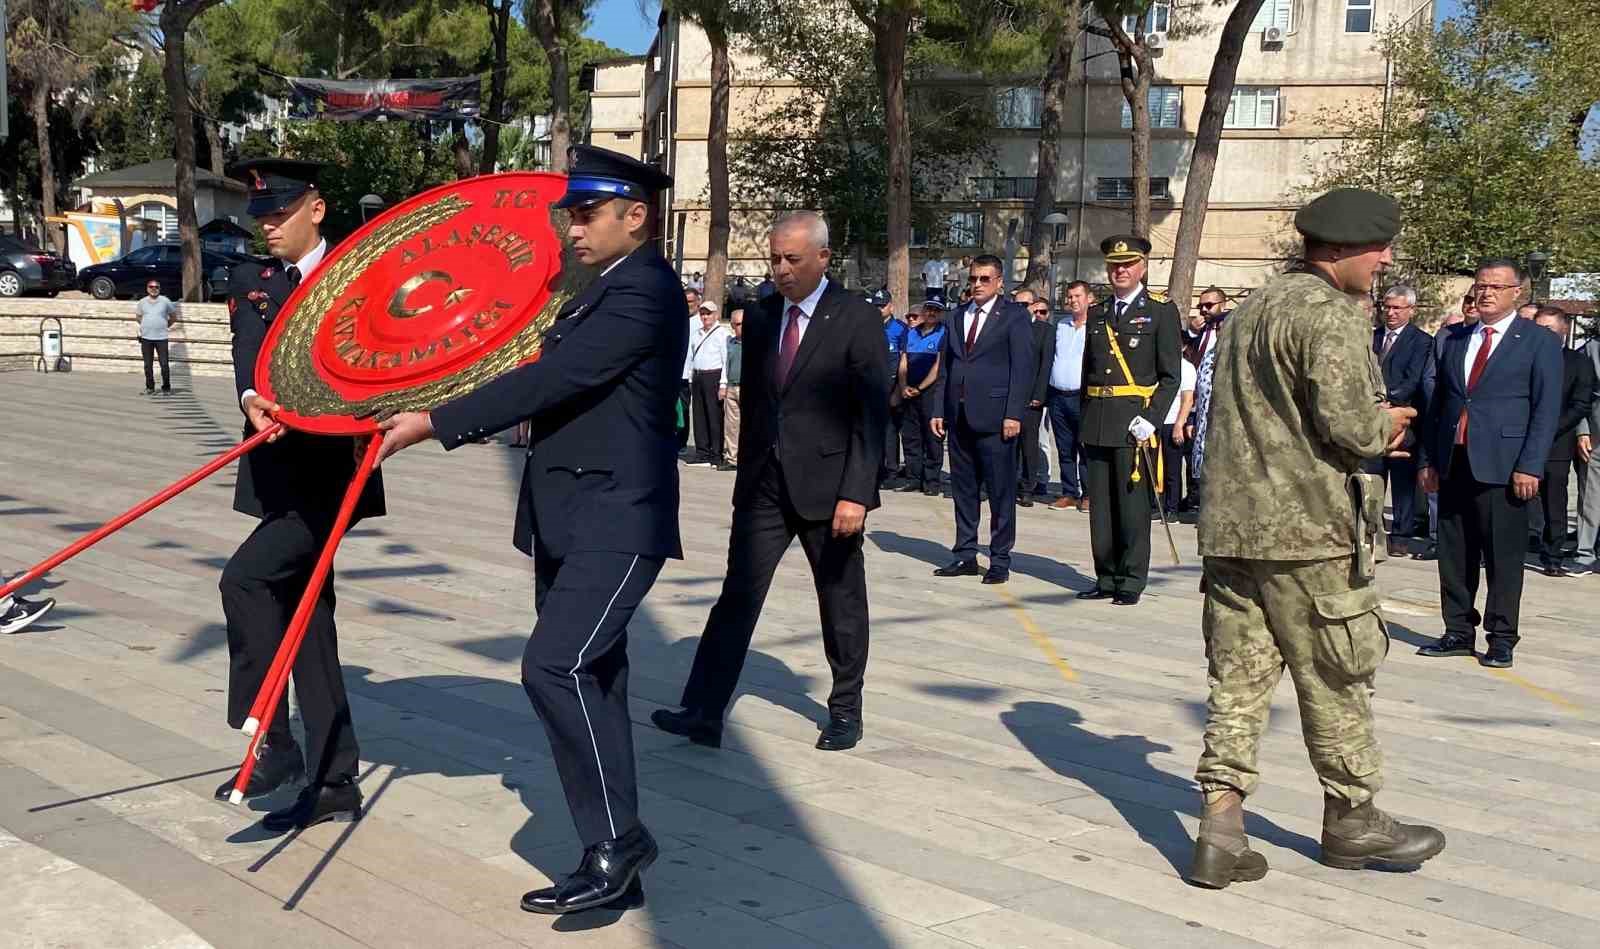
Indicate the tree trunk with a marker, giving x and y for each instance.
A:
(717, 163)
(891, 30)
(460, 150)
(1139, 143)
(1207, 142)
(1057, 76)
(39, 107)
(546, 23)
(500, 21)
(175, 21)
(214, 145)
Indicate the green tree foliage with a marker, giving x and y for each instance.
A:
(390, 159)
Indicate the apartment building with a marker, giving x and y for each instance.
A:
(1302, 60)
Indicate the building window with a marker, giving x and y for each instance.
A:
(1004, 189)
(1166, 108)
(1253, 107)
(1358, 16)
(950, 229)
(1153, 20)
(1018, 107)
(1121, 189)
(1278, 13)
(1059, 234)
(164, 216)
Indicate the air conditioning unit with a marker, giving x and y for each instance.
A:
(1154, 41)
(1272, 36)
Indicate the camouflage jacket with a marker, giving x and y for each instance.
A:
(1294, 412)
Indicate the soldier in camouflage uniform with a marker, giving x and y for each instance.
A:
(1288, 532)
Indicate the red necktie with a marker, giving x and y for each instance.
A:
(1472, 380)
(789, 345)
(972, 326)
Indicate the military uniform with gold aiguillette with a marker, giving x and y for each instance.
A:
(1142, 382)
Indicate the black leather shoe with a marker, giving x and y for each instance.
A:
(1096, 594)
(931, 490)
(692, 724)
(608, 876)
(316, 804)
(910, 487)
(1497, 656)
(842, 732)
(1125, 599)
(1024, 501)
(279, 764)
(996, 575)
(958, 568)
(1450, 644)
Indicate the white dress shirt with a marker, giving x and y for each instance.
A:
(1475, 343)
(1126, 301)
(807, 307)
(306, 265)
(979, 313)
(708, 349)
(1066, 373)
(1185, 384)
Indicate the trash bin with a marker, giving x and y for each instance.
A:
(52, 347)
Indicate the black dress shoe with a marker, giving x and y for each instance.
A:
(1024, 501)
(931, 490)
(278, 765)
(1497, 656)
(692, 724)
(1125, 599)
(909, 487)
(1450, 644)
(1096, 594)
(996, 575)
(608, 876)
(316, 804)
(841, 732)
(958, 568)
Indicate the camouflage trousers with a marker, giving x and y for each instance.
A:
(1320, 621)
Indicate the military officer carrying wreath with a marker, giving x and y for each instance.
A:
(1130, 377)
(1288, 530)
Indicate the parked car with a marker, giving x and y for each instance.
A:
(126, 276)
(25, 269)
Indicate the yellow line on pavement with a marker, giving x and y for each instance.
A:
(1038, 636)
(1554, 698)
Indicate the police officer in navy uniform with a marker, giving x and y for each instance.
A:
(294, 485)
(1130, 376)
(598, 510)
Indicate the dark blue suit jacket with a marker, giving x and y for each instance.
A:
(1405, 364)
(601, 471)
(1511, 415)
(996, 376)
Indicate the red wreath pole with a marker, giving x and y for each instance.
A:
(139, 510)
(277, 680)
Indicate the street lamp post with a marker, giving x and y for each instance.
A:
(1055, 219)
(370, 204)
(1537, 261)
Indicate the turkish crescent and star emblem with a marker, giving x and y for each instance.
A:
(256, 181)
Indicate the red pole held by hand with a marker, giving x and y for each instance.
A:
(139, 510)
(277, 680)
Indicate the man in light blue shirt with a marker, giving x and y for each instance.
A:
(1064, 401)
(155, 314)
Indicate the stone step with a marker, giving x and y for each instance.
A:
(100, 336)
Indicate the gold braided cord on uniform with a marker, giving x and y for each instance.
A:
(295, 382)
(1144, 392)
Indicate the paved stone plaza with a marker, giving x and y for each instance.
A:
(1025, 780)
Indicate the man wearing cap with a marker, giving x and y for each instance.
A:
(1130, 376)
(708, 350)
(293, 485)
(918, 381)
(894, 336)
(1288, 529)
(598, 509)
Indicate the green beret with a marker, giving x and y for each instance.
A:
(1350, 216)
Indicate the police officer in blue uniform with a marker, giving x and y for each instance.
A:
(894, 337)
(598, 510)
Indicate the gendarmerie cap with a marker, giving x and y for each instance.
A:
(1350, 216)
(936, 300)
(275, 183)
(1124, 248)
(880, 298)
(597, 174)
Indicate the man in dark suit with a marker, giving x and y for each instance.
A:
(1577, 398)
(1035, 467)
(294, 486)
(1486, 437)
(815, 401)
(1403, 352)
(1131, 374)
(987, 383)
(598, 508)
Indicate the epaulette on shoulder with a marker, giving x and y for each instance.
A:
(1159, 296)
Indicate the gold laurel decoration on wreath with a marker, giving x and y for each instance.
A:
(295, 382)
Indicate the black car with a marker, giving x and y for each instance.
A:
(126, 276)
(25, 269)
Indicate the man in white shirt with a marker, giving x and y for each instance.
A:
(1064, 400)
(1173, 440)
(703, 366)
(934, 272)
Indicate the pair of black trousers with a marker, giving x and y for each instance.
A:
(892, 464)
(1172, 464)
(575, 671)
(261, 586)
(1553, 502)
(1401, 473)
(1119, 517)
(1032, 463)
(1487, 521)
(924, 450)
(763, 528)
(151, 348)
(988, 459)
(707, 413)
(1066, 417)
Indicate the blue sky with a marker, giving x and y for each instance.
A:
(621, 24)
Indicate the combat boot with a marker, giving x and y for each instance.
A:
(1361, 836)
(1222, 854)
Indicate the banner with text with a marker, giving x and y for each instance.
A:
(404, 100)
